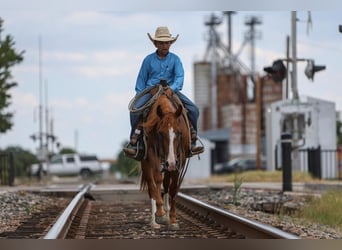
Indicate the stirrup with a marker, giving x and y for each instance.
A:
(197, 149)
(136, 152)
(130, 151)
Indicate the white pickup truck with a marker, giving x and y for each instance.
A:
(70, 164)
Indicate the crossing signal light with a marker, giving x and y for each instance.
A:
(311, 69)
(33, 137)
(277, 71)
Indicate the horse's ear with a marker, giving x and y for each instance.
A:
(159, 111)
(179, 111)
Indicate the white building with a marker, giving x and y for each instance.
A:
(199, 167)
(312, 124)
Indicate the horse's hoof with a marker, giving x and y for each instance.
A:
(164, 220)
(155, 225)
(173, 226)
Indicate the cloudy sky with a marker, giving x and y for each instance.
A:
(91, 54)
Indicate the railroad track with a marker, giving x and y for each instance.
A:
(125, 214)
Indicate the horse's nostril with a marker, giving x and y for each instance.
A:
(167, 164)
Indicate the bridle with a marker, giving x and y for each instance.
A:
(162, 153)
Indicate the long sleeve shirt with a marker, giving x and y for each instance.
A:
(154, 69)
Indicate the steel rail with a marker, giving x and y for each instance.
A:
(249, 228)
(62, 225)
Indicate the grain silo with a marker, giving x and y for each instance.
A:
(234, 130)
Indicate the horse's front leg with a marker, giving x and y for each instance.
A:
(160, 215)
(154, 224)
(153, 181)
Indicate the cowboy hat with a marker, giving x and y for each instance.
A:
(162, 35)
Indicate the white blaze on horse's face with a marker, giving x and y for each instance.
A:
(171, 160)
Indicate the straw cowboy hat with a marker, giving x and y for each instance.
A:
(162, 35)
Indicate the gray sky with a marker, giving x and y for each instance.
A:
(91, 54)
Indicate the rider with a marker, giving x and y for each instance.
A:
(162, 65)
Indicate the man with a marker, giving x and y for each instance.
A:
(167, 66)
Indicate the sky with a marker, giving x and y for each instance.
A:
(86, 56)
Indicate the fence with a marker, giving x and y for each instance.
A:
(321, 163)
(7, 171)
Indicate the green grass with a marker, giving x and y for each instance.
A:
(326, 209)
(263, 176)
(237, 189)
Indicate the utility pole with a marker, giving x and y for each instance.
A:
(286, 87)
(229, 32)
(258, 101)
(47, 132)
(295, 94)
(214, 21)
(40, 110)
(40, 132)
(251, 36)
(76, 140)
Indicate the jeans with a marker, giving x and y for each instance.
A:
(193, 112)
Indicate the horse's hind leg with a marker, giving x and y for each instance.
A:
(173, 222)
(173, 192)
(166, 196)
(166, 205)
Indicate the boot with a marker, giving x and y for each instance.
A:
(195, 150)
(131, 148)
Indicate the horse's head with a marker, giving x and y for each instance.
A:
(167, 132)
(171, 135)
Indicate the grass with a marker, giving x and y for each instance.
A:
(262, 176)
(237, 189)
(325, 210)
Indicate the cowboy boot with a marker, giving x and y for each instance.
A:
(195, 150)
(131, 148)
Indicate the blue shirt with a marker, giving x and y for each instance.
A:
(153, 69)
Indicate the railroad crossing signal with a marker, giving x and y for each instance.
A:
(277, 71)
(311, 69)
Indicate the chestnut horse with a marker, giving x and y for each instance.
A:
(167, 147)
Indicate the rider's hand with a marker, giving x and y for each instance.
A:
(153, 91)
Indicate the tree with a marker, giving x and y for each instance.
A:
(125, 165)
(8, 58)
(23, 159)
(67, 150)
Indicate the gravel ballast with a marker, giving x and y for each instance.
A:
(273, 208)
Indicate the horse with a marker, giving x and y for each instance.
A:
(167, 140)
